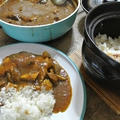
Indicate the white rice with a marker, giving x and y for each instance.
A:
(26, 104)
(109, 46)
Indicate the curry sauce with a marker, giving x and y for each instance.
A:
(23, 68)
(34, 12)
(62, 93)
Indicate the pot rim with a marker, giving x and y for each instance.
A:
(81, 3)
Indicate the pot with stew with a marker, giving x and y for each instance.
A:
(37, 20)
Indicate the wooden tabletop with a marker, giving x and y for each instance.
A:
(70, 42)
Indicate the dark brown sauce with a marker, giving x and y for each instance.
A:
(30, 67)
(63, 94)
(32, 12)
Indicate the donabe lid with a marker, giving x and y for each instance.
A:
(87, 5)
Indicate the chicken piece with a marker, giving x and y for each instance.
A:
(6, 66)
(53, 77)
(61, 77)
(10, 85)
(2, 70)
(6, 60)
(11, 72)
(56, 67)
(41, 76)
(51, 70)
(47, 84)
(43, 62)
(42, 73)
(29, 76)
(21, 59)
(15, 74)
(9, 77)
(49, 62)
(2, 83)
(45, 54)
(8, 69)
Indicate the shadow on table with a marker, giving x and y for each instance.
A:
(81, 26)
(63, 43)
(5, 39)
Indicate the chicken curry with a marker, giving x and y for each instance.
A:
(24, 68)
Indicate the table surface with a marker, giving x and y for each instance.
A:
(71, 41)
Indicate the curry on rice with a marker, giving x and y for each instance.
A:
(26, 69)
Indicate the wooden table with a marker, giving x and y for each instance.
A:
(70, 42)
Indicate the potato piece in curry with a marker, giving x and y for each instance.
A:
(26, 68)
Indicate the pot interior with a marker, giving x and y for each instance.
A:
(104, 19)
(109, 25)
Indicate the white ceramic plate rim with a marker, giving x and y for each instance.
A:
(69, 60)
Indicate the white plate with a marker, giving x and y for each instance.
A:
(77, 106)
